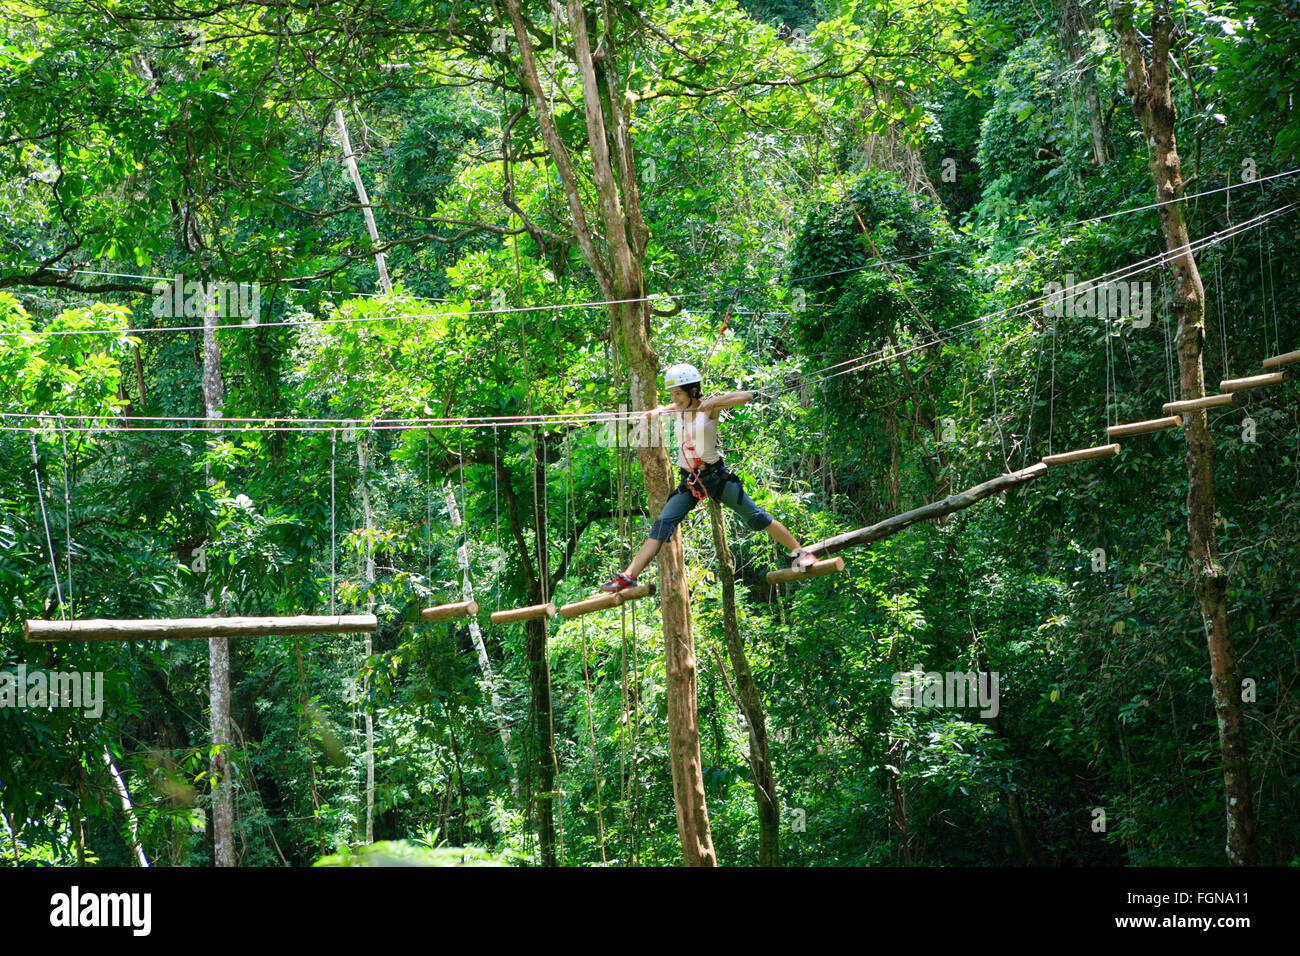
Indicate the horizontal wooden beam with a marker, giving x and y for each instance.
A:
(523, 613)
(1252, 381)
(1081, 454)
(636, 593)
(829, 566)
(601, 602)
(1277, 361)
(936, 509)
(1192, 404)
(1141, 428)
(445, 611)
(196, 628)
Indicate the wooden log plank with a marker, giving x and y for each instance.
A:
(830, 566)
(636, 593)
(1081, 454)
(1141, 428)
(1252, 381)
(445, 611)
(1191, 404)
(936, 509)
(523, 613)
(601, 602)
(197, 628)
(1277, 361)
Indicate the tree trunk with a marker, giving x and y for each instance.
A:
(618, 266)
(751, 703)
(223, 806)
(368, 716)
(538, 678)
(139, 376)
(1073, 19)
(539, 682)
(127, 809)
(350, 160)
(1096, 125)
(1148, 87)
(679, 640)
(13, 837)
(1021, 829)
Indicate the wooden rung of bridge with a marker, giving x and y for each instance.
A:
(1277, 361)
(1192, 404)
(445, 612)
(1081, 454)
(523, 613)
(600, 602)
(197, 628)
(829, 566)
(1141, 428)
(1252, 381)
(603, 602)
(636, 593)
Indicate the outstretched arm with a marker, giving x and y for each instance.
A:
(716, 403)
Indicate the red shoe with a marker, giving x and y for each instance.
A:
(619, 582)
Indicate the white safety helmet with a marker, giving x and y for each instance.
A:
(681, 375)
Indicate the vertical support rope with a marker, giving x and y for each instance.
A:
(369, 569)
(67, 517)
(428, 515)
(1109, 371)
(1272, 287)
(1223, 322)
(49, 542)
(334, 539)
(546, 522)
(624, 722)
(464, 502)
(1169, 341)
(1033, 399)
(997, 419)
(1051, 402)
(571, 523)
(496, 513)
(1218, 284)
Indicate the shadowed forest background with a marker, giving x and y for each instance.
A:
(873, 197)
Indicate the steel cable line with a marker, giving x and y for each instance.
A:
(605, 302)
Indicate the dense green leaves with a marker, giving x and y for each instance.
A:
(875, 195)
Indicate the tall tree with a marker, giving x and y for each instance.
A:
(1074, 20)
(1146, 81)
(749, 701)
(618, 266)
(223, 810)
(539, 678)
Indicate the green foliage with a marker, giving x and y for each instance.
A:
(402, 853)
(1019, 132)
(927, 376)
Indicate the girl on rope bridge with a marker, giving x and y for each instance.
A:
(703, 474)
